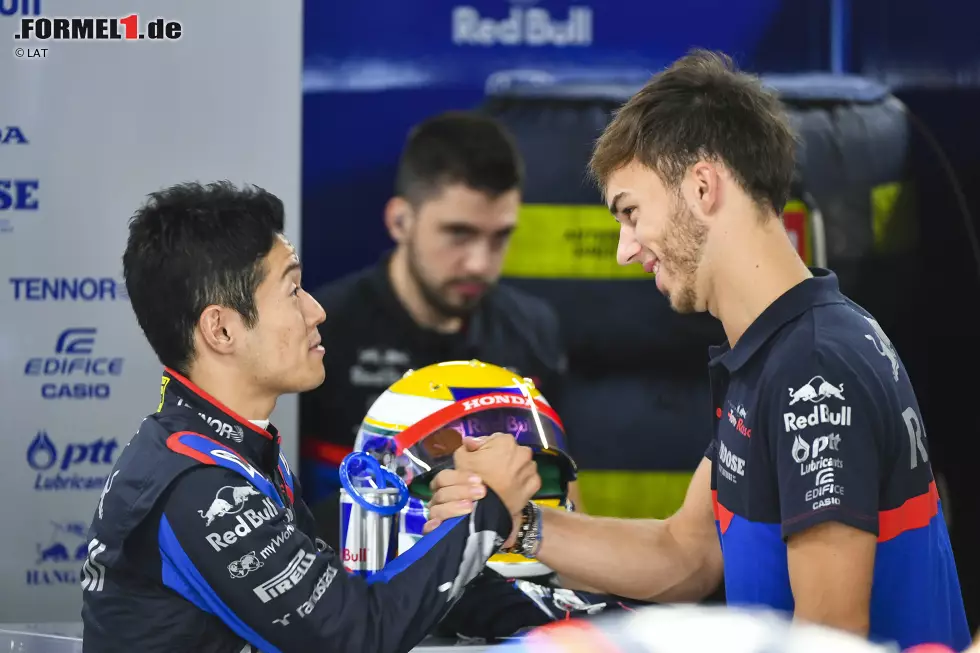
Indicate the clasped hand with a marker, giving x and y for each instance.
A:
(497, 462)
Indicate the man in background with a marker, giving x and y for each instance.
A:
(435, 297)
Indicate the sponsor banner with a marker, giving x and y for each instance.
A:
(94, 116)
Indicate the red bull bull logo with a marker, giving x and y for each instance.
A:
(59, 557)
(815, 391)
(228, 501)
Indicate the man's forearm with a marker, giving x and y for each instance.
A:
(636, 558)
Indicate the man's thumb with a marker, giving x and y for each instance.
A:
(472, 444)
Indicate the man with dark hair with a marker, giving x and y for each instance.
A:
(816, 496)
(201, 540)
(434, 298)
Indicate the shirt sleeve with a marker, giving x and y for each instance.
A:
(236, 553)
(712, 450)
(823, 435)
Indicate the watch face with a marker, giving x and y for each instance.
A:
(528, 537)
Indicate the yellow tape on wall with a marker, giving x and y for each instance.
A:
(893, 218)
(566, 242)
(633, 494)
(556, 241)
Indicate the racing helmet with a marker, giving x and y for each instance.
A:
(415, 425)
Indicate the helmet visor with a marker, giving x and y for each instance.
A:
(427, 448)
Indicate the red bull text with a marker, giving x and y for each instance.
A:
(368, 540)
(821, 414)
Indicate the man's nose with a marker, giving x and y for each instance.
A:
(315, 311)
(628, 246)
(477, 261)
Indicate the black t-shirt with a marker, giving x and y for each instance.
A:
(371, 341)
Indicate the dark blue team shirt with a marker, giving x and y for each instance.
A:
(816, 421)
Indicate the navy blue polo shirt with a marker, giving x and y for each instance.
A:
(816, 421)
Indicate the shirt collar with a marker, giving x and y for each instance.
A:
(822, 288)
(217, 420)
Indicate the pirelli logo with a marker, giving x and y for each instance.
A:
(286, 579)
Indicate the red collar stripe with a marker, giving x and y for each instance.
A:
(217, 404)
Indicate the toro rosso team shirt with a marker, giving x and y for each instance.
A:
(201, 542)
(816, 421)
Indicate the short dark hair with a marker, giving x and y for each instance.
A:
(702, 106)
(458, 147)
(191, 246)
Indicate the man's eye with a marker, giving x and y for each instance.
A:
(460, 235)
(627, 212)
(295, 291)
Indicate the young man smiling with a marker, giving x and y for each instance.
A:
(816, 496)
(201, 540)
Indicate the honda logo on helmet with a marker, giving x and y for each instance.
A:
(502, 399)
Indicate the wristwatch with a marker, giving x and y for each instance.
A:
(529, 532)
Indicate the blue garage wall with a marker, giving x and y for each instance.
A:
(375, 68)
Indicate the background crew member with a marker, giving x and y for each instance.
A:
(201, 541)
(818, 477)
(434, 298)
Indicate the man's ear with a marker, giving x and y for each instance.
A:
(706, 187)
(217, 329)
(397, 214)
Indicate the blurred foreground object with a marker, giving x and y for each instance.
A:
(683, 629)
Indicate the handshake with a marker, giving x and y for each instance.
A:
(497, 462)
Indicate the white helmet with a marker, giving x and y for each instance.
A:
(416, 424)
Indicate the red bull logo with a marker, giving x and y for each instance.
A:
(815, 391)
(368, 540)
(228, 501)
(821, 414)
(360, 555)
(533, 26)
(245, 523)
(59, 557)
